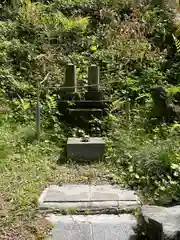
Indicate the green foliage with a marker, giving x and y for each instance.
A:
(131, 42)
(41, 38)
(172, 90)
(177, 43)
(27, 167)
(152, 161)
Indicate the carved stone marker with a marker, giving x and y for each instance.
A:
(70, 78)
(94, 92)
(81, 111)
(93, 78)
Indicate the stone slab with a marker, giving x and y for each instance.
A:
(68, 229)
(67, 193)
(109, 192)
(93, 227)
(84, 151)
(87, 197)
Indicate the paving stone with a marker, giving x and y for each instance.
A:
(93, 227)
(109, 192)
(67, 193)
(113, 227)
(68, 229)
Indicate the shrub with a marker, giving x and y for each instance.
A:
(149, 163)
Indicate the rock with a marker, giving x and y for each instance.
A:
(160, 223)
(162, 109)
(93, 227)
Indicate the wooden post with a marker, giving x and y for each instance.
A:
(38, 121)
(127, 109)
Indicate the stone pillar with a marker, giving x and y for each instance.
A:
(93, 78)
(70, 78)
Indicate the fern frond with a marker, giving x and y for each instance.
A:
(117, 105)
(177, 43)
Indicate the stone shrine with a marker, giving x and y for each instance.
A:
(81, 112)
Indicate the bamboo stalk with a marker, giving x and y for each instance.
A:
(38, 113)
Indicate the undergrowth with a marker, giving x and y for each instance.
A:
(148, 162)
(27, 168)
(133, 45)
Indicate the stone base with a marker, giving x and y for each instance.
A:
(85, 104)
(85, 114)
(94, 95)
(85, 151)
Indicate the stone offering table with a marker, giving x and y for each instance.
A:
(85, 151)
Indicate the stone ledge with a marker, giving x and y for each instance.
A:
(101, 198)
(113, 207)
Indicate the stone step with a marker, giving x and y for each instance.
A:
(85, 104)
(93, 227)
(152, 222)
(88, 198)
(86, 114)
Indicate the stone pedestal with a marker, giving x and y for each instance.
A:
(85, 151)
(95, 95)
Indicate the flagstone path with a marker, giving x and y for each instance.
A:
(92, 212)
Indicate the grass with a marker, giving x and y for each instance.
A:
(26, 168)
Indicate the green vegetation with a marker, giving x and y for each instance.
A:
(134, 46)
(27, 167)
